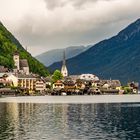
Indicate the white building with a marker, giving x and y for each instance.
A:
(89, 77)
(13, 79)
(9, 77)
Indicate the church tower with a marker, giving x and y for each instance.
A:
(64, 70)
(16, 60)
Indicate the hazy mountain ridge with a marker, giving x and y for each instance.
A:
(116, 58)
(56, 55)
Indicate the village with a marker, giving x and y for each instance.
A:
(20, 81)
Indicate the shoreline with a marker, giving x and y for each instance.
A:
(86, 99)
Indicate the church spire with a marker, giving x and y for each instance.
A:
(64, 58)
(64, 70)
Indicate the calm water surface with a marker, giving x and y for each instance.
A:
(26, 121)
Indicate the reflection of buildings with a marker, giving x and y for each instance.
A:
(68, 121)
(14, 118)
(15, 110)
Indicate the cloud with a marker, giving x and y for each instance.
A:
(52, 4)
(47, 24)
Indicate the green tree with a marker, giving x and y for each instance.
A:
(127, 90)
(56, 76)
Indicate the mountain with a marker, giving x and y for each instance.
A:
(8, 45)
(56, 55)
(116, 58)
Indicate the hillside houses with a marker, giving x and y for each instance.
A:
(20, 76)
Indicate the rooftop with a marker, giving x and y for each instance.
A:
(30, 76)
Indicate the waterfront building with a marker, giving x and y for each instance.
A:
(69, 85)
(74, 77)
(9, 78)
(134, 85)
(96, 84)
(27, 81)
(40, 85)
(80, 84)
(109, 84)
(89, 77)
(58, 85)
(12, 78)
(64, 70)
(21, 65)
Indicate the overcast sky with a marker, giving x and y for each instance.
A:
(43, 25)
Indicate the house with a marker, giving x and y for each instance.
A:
(134, 85)
(4, 83)
(9, 78)
(96, 84)
(40, 85)
(12, 78)
(58, 85)
(69, 85)
(80, 84)
(109, 84)
(74, 77)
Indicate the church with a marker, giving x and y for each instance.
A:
(64, 70)
(21, 65)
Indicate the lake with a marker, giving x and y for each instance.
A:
(68, 121)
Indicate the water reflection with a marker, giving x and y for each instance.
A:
(69, 121)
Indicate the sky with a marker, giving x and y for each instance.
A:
(42, 25)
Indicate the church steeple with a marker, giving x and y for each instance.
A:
(64, 70)
(64, 58)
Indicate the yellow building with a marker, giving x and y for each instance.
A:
(27, 81)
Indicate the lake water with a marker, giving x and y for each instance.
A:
(68, 121)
